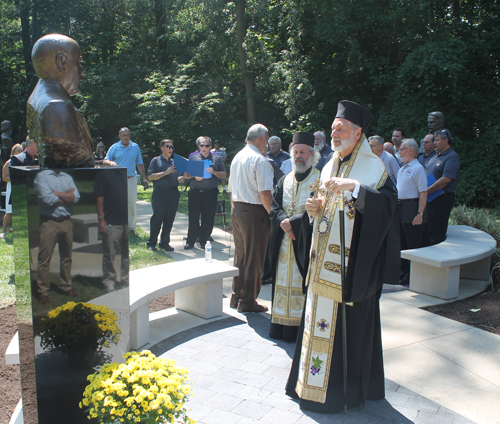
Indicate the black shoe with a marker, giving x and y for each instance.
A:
(188, 246)
(152, 248)
(210, 238)
(167, 248)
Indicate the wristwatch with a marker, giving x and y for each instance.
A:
(421, 213)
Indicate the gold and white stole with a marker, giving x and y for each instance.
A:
(324, 277)
(288, 301)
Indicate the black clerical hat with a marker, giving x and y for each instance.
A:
(303, 138)
(355, 113)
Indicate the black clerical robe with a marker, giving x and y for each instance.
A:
(373, 261)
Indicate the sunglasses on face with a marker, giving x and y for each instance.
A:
(169, 147)
(205, 145)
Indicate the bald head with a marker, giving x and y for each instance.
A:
(58, 57)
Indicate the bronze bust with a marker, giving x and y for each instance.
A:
(53, 122)
(435, 122)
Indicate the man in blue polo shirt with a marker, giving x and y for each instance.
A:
(126, 153)
(445, 167)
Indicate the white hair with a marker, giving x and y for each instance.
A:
(411, 144)
(274, 137)
(256, 131)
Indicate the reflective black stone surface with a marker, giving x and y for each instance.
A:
(71, 272)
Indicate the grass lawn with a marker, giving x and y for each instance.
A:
(139, 256)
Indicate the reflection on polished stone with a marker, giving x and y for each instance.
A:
(71, 268)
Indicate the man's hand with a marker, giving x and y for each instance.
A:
(210, 170)
(338, 185)
(198, 178)
(313, 205)
(417, 220)
(109, 162)
(287, 228)
(102, 225)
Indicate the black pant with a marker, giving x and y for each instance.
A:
(164, 203)
(411, 238)
(438, 214)
(204, 203)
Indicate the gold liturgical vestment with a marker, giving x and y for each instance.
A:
(324, 277)
(288, 302)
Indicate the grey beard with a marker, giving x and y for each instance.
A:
(345, 144)
(301, 167)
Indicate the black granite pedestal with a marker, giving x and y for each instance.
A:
(47, 206)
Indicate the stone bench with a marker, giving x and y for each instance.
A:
(198, 290)
(197, 285)
(85, 228)
(436, 270)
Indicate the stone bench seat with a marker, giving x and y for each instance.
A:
(437, 270)
(198, 290)
(197, 285)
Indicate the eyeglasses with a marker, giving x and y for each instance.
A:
(205, 145)
(168, 146)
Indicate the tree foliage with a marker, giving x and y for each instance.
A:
(182, 68)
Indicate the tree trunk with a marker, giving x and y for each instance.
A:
(23, 6)
(248, 79)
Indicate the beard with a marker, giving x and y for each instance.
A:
(301, 166)
(319, 146)
(344, 143)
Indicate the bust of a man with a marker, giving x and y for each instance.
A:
(435, 122)
(6, 132)
(53, 122)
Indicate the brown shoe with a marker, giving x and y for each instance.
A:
(71, 293)
(44, 299)
(233, 303)
(254, 308)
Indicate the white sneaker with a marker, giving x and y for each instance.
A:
(2, 235)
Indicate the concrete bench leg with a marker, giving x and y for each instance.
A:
(433, 281)
(479, 270)
(203, 300)
(139, 327)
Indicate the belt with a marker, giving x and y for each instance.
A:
(407, 200)
(203, 191)
(49, 218)
(133, 176)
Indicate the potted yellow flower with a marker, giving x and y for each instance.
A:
(145, 389)
(79, 329)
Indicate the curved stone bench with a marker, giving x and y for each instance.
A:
(197, 285)
(436, 270)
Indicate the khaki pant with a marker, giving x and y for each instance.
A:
(114, 239)
(52, 232)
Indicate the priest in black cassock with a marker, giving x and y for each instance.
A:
(372, 257)
(281, 267)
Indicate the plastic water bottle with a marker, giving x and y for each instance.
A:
(208, 252)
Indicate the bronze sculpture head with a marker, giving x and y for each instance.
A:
(435, 121)
(52, 120)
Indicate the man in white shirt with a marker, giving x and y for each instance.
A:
(251, 186)
(391, 164)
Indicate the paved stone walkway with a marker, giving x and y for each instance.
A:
(239, 374)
